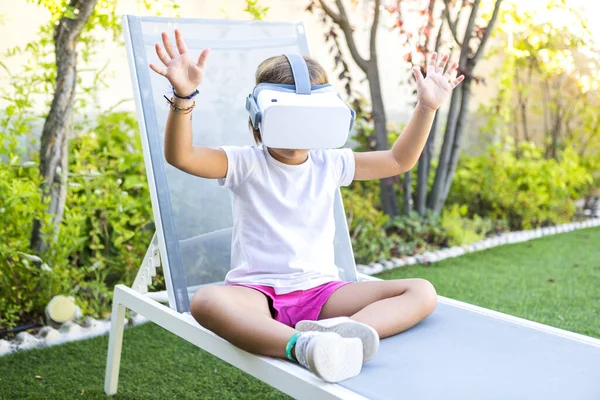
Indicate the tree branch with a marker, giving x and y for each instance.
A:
(373, 38)
(332, 14)
(74, 26)
(488, 31)
(452, 24)
(341, 19)
(464, 51)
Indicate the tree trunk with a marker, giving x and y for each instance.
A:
(53, 148)
(441, 172)
(424, 164)
(424, 167)
(407, 193)
(460, 128)
(389, 202)
(456, 115)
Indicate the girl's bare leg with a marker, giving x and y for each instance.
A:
(241, 316)
(390, 307)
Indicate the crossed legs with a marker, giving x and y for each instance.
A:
(242, 316)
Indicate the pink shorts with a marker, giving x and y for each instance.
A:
(290, 308)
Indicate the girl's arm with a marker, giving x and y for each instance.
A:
(432, 91)
(185, 75)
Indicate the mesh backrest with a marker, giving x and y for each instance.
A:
(193, 215)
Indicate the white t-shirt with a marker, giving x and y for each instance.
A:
(283, 224)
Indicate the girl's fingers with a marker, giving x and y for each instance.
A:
(202, 58)
(162, 55)
(168, 45)
(452, 68)
(180, 43)
(431, 64)
(158, 70)
(417, 74)
(457, 81)
(442, 64)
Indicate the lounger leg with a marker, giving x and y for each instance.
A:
(115, 342)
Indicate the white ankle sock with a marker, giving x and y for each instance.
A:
(301, 346)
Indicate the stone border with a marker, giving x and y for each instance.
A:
(505, 238)
(67, 332)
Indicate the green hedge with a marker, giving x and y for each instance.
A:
(518, 184)
(105, 231)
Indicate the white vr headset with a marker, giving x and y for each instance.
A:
(300, 116)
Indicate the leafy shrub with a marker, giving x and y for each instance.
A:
(19, 202)
(105, 230)
(462, 230)
(108, 209)
(412, 234)
(366, 225)
(528, 190)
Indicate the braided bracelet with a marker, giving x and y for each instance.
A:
(191, 96)
(180, 110)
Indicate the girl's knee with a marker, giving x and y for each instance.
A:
(427, 295)
(204, 301)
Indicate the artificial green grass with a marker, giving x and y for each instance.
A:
(155, 364)
(553, 280)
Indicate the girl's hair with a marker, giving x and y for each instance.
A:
(277, 70)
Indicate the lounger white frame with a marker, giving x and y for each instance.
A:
(281, 374)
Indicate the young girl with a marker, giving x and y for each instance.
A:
(283, 297)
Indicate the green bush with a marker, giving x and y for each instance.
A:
(19, 203)
(462, 230)
(414, 233)
(366, 224)
(526, 190)
(108, 209)
(105, 231)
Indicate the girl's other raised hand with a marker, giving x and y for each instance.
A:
(184, 73)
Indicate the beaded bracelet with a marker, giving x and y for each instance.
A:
(180, 110)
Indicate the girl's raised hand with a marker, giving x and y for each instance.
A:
(436, 87)
(184, 73)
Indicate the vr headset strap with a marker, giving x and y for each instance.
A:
(300, 72)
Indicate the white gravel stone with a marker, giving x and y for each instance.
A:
(538, 233)
(387, 264)
(362, 268)
(93, 327)
(49, 335)
(136, 319)
(376, 268)
(5, 347)
(411, 260)
(429, 257)
(26, 341)
(398, 262)
(369, 271)
(71, 330)
(442, 254)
